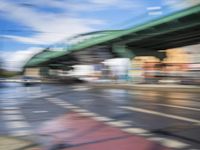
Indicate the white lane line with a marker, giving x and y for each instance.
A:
(62, 103)
(17, 124)
(174, 143)
(117, 124)
(175, 106)
(51, 99)
(81, 110)
(10, 108)
(100, 118)
(13, 117)
(171, 143)
(40, 111)
(11, 112)
(135, 130)
(161, 114)
(81, 89)
(58, 101)
(71, 107)
(127, 121)
(89, 114)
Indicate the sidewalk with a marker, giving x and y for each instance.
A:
(14, 143)
(150, 87)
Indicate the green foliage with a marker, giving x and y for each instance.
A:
(8, 74)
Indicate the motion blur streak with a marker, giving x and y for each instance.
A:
(99, 75)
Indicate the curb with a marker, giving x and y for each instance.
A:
(149, 87)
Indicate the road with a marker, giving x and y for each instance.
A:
(152, 114)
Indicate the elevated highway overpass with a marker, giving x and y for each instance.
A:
(148, 39)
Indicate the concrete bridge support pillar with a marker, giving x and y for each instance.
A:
(32, 72)
(44, 71)
(123, 51)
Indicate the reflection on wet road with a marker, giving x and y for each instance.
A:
(165, 114)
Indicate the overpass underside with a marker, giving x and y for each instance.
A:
(148, 39)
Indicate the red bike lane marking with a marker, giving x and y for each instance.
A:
(84, 133)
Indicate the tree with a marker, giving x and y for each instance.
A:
(1, 65)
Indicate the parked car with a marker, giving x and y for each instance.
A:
(30, 80)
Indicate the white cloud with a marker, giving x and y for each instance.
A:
(19, 58)
(125, 4)
(52, 27)
(30, 40)
(155, 13)
(56, 31)
(154, 8)
(87, 5)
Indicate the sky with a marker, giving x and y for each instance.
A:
(28, 26)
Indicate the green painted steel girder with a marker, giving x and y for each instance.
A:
(160, 26)
(43, 57)
(117, 35)
(139, 37)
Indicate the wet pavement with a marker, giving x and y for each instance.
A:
(170, 118)
(73, 131)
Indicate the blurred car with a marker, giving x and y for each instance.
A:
(30, 80)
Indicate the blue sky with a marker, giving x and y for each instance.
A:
(27, 26)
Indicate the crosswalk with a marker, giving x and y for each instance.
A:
(123, 125)
(15, 121)
(17, 124)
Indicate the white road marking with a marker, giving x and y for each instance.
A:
(72, 107)
(81, 89)
(89, 114)
(81, 110)
(64, 104)
(17, 124)
(169, 142)
(174, 144)
(127, 121)
(40, 111)
(100, 118)
(36, 96)
(118, 124)
(157, 139)
(11, 112)
(175, 106)
(135, 130)
(10, 108)
(58, 101)
(161, 114)
(13, 117)
(51, 99)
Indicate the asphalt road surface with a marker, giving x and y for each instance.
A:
(168, 115)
